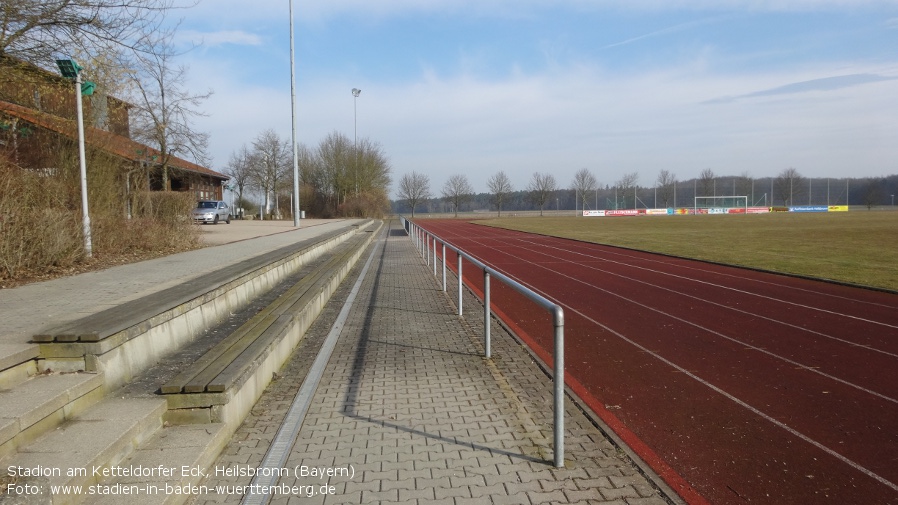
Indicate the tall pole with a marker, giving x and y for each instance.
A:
(355, 131)
(82, 159)
(293, 121)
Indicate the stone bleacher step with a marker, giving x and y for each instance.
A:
(101, 437)
(168, 464)
(17, 363)
(41, 403)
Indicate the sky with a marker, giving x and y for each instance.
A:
(473, 87)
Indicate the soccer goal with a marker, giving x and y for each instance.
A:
(720, 204)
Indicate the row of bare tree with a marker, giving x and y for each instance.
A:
(414, 188)
(339, 177)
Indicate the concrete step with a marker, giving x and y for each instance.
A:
(75, 453)
(170, 467)
(17, 363)
(41, 403)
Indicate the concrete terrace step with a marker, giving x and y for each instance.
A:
(125, 339)
(17, 363)
(41, 403)
(76, 452)
(167, 464)
(177, 458)
(60, 422)
(224, 383)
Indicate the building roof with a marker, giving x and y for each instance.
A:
(112, 143)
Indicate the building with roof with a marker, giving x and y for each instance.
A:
(38, 116)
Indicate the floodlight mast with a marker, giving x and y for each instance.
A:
(296, 210)
(71, 70)
(355, 139)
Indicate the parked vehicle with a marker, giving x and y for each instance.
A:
(212, 211)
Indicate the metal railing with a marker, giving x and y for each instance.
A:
(426, 242)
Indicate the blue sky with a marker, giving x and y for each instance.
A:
(474, 87)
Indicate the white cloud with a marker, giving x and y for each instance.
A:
(572, 115)
(583, 118)
(219, 38)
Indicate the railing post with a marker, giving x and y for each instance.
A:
(558, 321)
(427, 250)
(460, 282)
(444, 267)
(434, 256)
(486, 314)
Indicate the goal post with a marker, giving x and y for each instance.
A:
(720, 204)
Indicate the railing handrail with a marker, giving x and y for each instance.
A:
(422, 238)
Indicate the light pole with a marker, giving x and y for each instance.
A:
(355, 139)
(293, 120)
(71, 70)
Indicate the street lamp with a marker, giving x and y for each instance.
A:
(71, 70)
(355, 131)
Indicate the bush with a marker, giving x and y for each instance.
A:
(368, 204)
(41, 229)
(33, 232)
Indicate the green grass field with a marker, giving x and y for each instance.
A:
(858, 247)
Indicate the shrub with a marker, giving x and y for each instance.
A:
(41, 229)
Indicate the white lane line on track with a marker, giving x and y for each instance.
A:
(727, 307)
(721, 335)
(809, 307)
(741, 403)
(513, 236)
(690, 323)
(750, 408)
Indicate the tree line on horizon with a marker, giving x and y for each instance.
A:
(788, 188)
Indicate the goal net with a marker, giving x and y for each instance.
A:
(720, 204)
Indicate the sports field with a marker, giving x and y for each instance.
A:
(858, 247)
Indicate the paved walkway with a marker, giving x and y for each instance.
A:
(409, 412)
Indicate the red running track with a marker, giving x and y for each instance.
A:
(734, 385)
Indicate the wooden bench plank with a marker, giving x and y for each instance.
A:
(242, 347)
(98, 326)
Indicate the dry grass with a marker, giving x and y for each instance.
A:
(41, 230)
(858, 247)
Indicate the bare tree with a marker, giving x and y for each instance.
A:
(240, 170)
(874, 192)
(163, 109)
(457, 191)
(500, 186)
(666, 184)
(336, 164)
(272, 159)
(788, 185)
(371, 173)
(540, 189)
(745, 185)
(627, 185)
(584, 184)
(413, 188)
(35, 30)
(706, 181)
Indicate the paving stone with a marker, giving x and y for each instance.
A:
(409, 402)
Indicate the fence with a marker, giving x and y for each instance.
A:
(426, 242)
